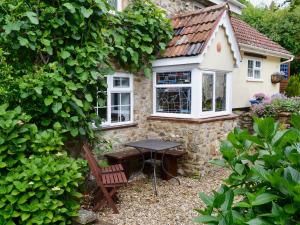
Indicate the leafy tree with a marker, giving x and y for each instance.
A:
(280, 25)
(60, 51)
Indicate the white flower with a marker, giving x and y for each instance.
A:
(56, 188)
(59, 154)
(30, 183)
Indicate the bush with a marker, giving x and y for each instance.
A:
(38, 181)
(42, 190)
(264, 184)
(293, 88)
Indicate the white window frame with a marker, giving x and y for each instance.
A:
(155, 85)
(119, 6)
(228, 109)
(255, 68)
(196, 98)
(110, 90)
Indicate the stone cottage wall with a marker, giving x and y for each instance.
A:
(200, 139)
(178, 6)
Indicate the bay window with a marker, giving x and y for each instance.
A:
(115, 105)
(192, 93)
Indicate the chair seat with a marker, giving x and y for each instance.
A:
(114, 179)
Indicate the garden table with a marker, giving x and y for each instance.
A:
(154, 146)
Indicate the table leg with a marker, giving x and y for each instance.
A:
(166, 171)
(154, 172)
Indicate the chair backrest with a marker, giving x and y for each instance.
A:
(95, 168)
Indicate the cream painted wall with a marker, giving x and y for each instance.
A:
(222, 60)
(243, 89)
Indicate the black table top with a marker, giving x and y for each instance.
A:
(153, 144)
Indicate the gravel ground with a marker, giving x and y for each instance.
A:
(173, 206)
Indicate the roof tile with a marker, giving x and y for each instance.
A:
(248, 35)
(192, 30)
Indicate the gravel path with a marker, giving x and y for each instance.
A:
(173, 206)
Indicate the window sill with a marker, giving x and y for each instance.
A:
(115, 127)
(194, 120)
(255, 80)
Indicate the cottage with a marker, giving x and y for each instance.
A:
(213, 65)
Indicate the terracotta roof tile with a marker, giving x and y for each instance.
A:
(248, 35)
(192, 30)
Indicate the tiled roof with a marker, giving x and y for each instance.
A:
(192, 30)
(248, 35)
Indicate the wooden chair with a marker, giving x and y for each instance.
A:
(108, 179)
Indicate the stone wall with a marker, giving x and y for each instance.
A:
(200, 139)
(178, 6)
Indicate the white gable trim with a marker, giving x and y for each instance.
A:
(225, 22)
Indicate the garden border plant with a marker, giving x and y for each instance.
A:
(54, 55)
(263, 187)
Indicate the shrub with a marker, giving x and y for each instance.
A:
(38, 181)
(293, 88)
(41, 190)
(264, 184)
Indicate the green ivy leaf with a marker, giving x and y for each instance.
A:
(65, 54)
(56, 107)
(86, 12)
(32, 16)
(70, 7)
(48, 101)
(23, 41)
(89, 97)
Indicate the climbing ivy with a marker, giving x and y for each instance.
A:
(60, 51)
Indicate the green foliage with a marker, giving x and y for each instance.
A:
(42, 190)
(293, 88)
(263, 187)
(280, 25)
(136, 48)
(59, 52)
(38, 181)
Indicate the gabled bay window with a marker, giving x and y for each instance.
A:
(115, 105)
(192, 93)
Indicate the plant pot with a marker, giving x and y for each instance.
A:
(276, 78)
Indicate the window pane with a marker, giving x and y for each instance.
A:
(101, 105)
(250, 64)
(174, 78)
(120, 108)
(258, 64)
(113, 3)
(121, 82)
(257, 74)
(173, 100)
(207, 92)
(250, 72)
(125, 99)
(220, 92)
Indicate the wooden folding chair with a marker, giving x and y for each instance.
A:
(108, 179)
